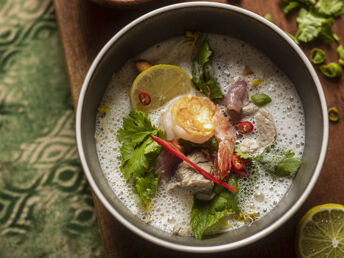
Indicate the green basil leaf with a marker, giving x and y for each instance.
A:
(340, 52)
(260, 99)
(331, 70)
(317, 56)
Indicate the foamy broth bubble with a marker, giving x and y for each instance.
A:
(259, 193)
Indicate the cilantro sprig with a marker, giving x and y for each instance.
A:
(139, 152)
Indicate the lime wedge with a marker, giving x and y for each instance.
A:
(320, 232)
(157, 85)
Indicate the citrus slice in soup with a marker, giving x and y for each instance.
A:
(157, 85)
(320, 232)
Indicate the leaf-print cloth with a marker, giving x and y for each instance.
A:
(46, 209)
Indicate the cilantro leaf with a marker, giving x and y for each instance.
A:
(138, 152)
(202, 74)
(147, 185)
(340, 52)
(204, 214)
(289, 5)
(312, 26)
(330, 7)
(278, 162)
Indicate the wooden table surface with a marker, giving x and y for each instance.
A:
(85, 27)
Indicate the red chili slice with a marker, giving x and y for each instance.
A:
(144, 98)
(237, 163)
(174, 148)
(244, 127)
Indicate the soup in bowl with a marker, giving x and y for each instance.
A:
(262, 107)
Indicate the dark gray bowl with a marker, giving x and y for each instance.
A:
(217, 18)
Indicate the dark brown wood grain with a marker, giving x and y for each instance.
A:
(85, 27)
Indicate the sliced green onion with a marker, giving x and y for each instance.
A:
(340, 52)
(269, 17)
(317, 56)
(333, 114)
(331, 70)
(260, 99)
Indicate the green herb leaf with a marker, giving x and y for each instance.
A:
(331, 70)
(293, 38)
(278, 162)
(138, 152)
(211, 145)
(202, 74)
(289, 5)
(269, 17)
(206, 213)
(313, 26)
(287, 167)
(147, 185)
(260, 99)
(330, 7)
(340, 52)
(317, 56)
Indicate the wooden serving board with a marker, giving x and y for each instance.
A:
(85, 27)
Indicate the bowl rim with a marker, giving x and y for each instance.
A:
(207, 249)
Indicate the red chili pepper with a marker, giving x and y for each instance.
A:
(172, 147)
(244, 127)
(237, 163)
(144, 98)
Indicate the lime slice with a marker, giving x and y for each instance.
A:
(157, 85)
(320, 232)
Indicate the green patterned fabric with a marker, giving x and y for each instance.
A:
(46, 208)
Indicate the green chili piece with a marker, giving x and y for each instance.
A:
(260, 99)
(331, 70)
(317, 56)
(340, 52)
(333, 114)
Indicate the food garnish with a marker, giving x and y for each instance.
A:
(237, 163)
(145, 99)
(317, 56)
(211, 145)
(244, 127)
(204, 214)
(320, 232)
(256, 82)
(330, 7)
(202, 74)
(331, 70)
(289, 5)
(260, 99)
(171, 147)
(269, 17)
(340, 52)
(278, 162)
(333, 114)
(313, 26)
(139, 152)
(142, 65)
(162, 83)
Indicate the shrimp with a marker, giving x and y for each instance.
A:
(225, 136)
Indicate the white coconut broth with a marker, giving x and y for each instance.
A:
(260, 192)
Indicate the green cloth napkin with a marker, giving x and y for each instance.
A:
(46, 208)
